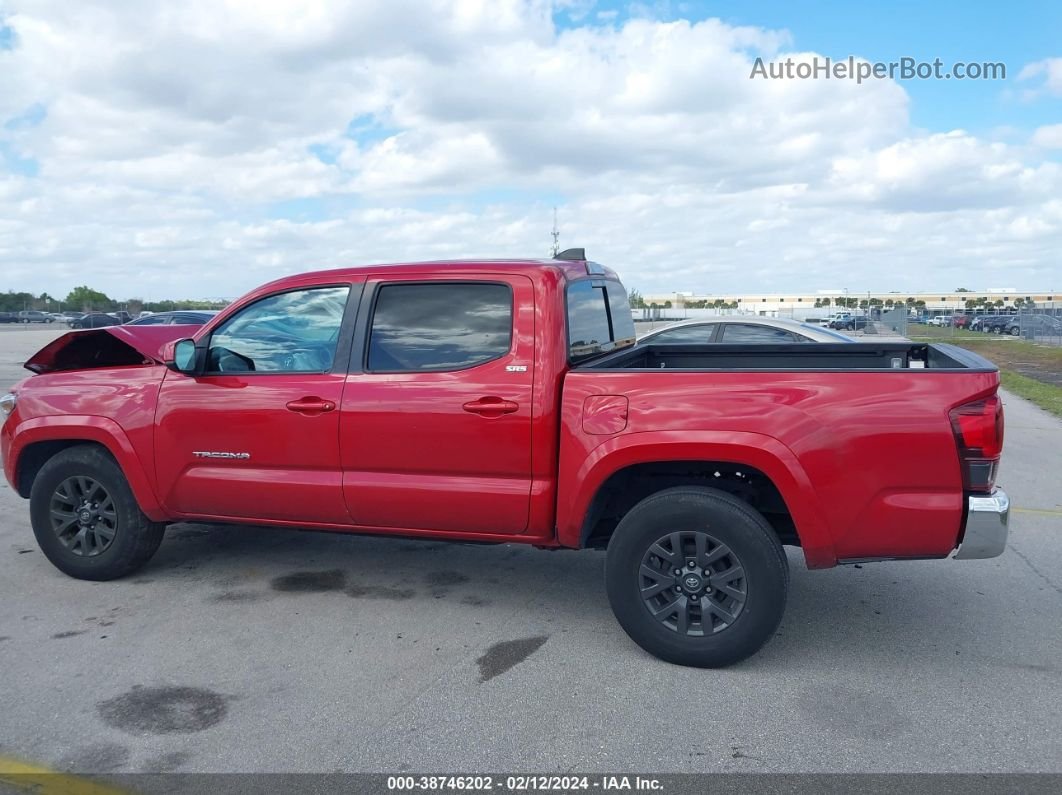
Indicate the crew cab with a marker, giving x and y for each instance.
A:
(506, 401)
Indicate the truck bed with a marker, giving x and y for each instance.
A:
(872, 464)
(789, 357)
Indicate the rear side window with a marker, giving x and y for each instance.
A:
(737, 333)
(686, 335)
(452, 326)
(599, 318)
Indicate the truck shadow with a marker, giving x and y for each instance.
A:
(892, 612)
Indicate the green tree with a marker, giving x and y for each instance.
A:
(634, 298)
(16, 302)
(85, 299)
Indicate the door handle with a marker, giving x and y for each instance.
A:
(311, 405)
(491, 406)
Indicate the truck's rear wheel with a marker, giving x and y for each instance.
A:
(86, 519)
(696, 577)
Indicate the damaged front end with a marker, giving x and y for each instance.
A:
(113, 346)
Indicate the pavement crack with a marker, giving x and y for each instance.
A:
(1035, 570)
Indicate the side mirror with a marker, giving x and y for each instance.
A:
(184, 357)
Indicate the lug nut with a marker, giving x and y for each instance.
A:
(678, 589)
(692, 564)
(678, 572)
(694, 597)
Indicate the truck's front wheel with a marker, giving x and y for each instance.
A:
(86, 519)
(696, 577)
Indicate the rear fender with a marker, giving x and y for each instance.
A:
(764, 453)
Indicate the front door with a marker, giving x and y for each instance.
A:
(435, 432)
(257, 435)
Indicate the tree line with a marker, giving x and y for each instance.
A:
(85, 299)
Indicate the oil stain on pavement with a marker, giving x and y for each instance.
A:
(311, 582)
(380, 592)
(503, 656)
(163, 710)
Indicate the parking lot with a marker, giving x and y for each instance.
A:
(255, 649)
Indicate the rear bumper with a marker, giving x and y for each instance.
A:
(986, 526)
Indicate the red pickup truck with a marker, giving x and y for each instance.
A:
(508, 401)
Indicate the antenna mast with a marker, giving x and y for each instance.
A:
(556, 235)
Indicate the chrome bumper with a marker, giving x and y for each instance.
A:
(986, 526)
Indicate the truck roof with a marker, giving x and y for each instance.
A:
(569, 269)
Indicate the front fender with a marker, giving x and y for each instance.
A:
(577, 488)
(87, 428)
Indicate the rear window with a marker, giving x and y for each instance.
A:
(442, 326)
(599, 318)
(746, 333)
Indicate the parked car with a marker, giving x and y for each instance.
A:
(829, 321)
(69, 316)
(850, 323)
(988, 323)
(507, 402)
(1036, 325)
(95, 320)
(33, 316)
(9, 317)
(740, 330)
(187, 317)
(939, 320)
(122, 315)
(960, 321)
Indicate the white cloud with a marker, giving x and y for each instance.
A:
(1048, 137)
(175, 137)
(1050, 69)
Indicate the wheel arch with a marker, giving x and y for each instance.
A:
(628, 468)
(35, 442)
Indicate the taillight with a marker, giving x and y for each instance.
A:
(978, 429)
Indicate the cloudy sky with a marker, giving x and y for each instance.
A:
(197, 149)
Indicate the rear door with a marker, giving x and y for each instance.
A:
(435, 431)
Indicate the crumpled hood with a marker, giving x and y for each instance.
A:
(112, 346)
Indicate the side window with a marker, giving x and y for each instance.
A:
(444, 326)
(293, 332)
(737, 333)
(687, 335)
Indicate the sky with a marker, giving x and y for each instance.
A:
(195, 150)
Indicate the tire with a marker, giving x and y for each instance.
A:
(734, 535)
(1015, 332)
(87, 475)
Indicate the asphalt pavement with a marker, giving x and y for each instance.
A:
(255, 649)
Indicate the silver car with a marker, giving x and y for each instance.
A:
(738, 330)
